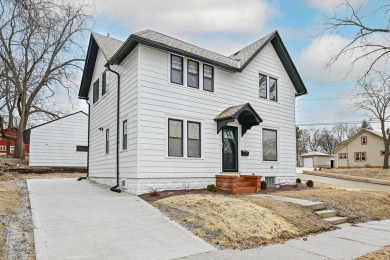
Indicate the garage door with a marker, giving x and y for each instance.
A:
(308, 162)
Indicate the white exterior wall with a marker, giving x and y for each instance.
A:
(54, 144)
(103, 115)
(160, 100)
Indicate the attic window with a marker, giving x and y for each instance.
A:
(364, 140)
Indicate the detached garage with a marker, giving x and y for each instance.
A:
(316, 160)
(59, 143)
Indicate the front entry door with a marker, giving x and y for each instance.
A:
(229, 149)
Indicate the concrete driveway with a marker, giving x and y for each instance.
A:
(80, 220)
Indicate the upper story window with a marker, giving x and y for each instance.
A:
(124, 135)
(176, 69)
(263, 86)
(208, 78)
(96, 91)
(104, 83)
(193, 74)
(175, 138)
(268, 87)
(363, 140)
(270, 142)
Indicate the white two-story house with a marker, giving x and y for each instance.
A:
(184, 115)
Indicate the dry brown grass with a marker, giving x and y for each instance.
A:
(4, 176)
(381, 254)
(239, 222)
(374, 173)
(9, 202)
(358, 205)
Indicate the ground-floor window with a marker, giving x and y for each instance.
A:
(184, 138)
(193, 139)
(3, 148)
(175, 135)
(270, 180)
(360, 157)
(270, 151)
(343, 156)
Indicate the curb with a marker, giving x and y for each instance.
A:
(348, 177)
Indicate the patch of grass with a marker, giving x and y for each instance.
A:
(381, 254)
(357, 205)
(375, 173)
(240, 222)
(9, 202)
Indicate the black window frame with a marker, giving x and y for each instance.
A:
(104, 83)
(124, 136)
(276, 89)
(182, 137)
(182, 69)
(107, 142)
(200, 139)
(188, 73)
(266, 86)
(276, 145)
(212, 79)
(95, 92)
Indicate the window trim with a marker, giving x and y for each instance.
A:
(107, 141)
(124, 138)
(276, 89)
(182, 69)
(93, 92)
(277, 144)
(188, 73)
(266, 85)
(213, 76)
(200, 138)
(182, 137)
(361, 140)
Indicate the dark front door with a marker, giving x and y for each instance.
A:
(229, 149)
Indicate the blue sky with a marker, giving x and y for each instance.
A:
(225, 26)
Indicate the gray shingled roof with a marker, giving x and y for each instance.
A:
(108, 45)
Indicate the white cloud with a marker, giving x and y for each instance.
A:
(193, 19)
(312, 60)
(325, 5)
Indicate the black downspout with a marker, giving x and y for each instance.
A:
(115, 188)
(89, 122)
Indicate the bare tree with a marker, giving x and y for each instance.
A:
(328, 141)
(311, 138)
(348, 17)
(39, 48)
(373, 96)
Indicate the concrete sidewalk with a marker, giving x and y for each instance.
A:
(80, 220)
(348, 242)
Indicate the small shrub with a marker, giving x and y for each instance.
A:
(212, 188)
(310, 183)
(299, 180)
(263, 185)
(154, 193)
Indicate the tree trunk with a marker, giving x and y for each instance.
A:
(386, 157)
(19, 144)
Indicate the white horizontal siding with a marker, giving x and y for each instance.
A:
(103, 115)
(160, 99)
(54, 144)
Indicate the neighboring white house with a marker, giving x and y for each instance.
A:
(62, 142)
(187, 114)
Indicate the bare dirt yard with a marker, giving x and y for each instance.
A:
(228, 221)
(374, 173)
(381, 254)
(357, 204)
(16, 229)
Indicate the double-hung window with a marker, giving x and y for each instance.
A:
(96, 91)
(193, 74)
(270, 151)
(124, 135)
(360, 157)
(107, 141)
(208, 78)
(176, 69)
(193, 139)
(175, 138)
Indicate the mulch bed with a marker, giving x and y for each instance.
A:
(158, 195)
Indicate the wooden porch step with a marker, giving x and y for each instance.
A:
(243, 184)
(245, 190)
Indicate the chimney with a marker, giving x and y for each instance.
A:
(108, 34)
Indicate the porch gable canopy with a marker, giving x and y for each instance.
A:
(245, 114)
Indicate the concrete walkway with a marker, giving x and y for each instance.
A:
(305, 203)
(80, 220)
(348, 242)
(344, 183)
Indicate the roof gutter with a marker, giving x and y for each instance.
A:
(89, 125)
(115, 188)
